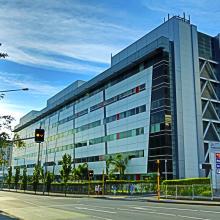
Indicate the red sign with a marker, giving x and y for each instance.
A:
(217, 155)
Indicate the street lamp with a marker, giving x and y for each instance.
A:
(11, 90)
(14, 90)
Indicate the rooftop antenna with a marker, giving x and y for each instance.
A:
(184, 16)
(164, 19)
(168, 16)
(189, 18)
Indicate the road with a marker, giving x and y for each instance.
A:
(35, 207)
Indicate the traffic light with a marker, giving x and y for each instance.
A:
(90, 174)
(39, 135)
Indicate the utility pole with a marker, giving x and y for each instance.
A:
(103, 182)
(165, 169)
(38, 155)
(158, 179)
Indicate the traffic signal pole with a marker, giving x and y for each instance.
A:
(38, 156)
(89, 186)
(158, 179)
(39, 137)
(103, 182)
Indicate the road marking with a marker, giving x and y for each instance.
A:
(124, 209)
(141, 208)
(4, 198)
(98, 206)
(100, 217)
(209, 211)
(178, 209)
(191, 217)
(96, 210)
(162, 213)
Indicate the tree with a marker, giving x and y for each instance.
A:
(3, 55)
(9, 177)
(117, 164)
(3, 161)
(5, 129)
(48, 180)
(17, 177)
(76, 174)
(80, 172)
(24, 179)
(18, 142)
(37, 175)
(66, 169)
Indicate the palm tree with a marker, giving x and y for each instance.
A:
(81, 172)
(117, 164)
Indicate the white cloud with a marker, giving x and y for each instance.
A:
(205, 14)
(35, 87)
(17, 111)
(69, 28)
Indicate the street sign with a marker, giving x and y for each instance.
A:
(206, 166)
(217, 162)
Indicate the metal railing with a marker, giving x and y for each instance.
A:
(194, 191)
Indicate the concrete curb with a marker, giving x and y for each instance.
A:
(183, 202)
(5, 215)
(186, 202)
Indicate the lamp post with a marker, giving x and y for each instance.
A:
(2, 92)
(14, 90)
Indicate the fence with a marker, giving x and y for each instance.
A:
(195, 191)
(89, 187)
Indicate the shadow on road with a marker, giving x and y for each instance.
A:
(4, 216)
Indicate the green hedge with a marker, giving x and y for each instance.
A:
(189, 181)
(107, 181)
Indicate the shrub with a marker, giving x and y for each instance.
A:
(206, 193)
(189, 181)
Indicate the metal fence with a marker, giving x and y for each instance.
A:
(85, 188)
(195, 191)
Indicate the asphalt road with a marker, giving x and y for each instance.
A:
(36, 207)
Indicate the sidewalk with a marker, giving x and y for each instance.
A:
(149, 198)
(154, 199)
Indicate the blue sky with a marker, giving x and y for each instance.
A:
(55, 42)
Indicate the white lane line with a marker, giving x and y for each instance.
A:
(104, 207)
(178, 209)
(98, 217)
(95, 210)
(209, 211)
(169, 208)
(146, 211)
(7, 198)
(162, 213)
(191, 217)
(146, 208)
